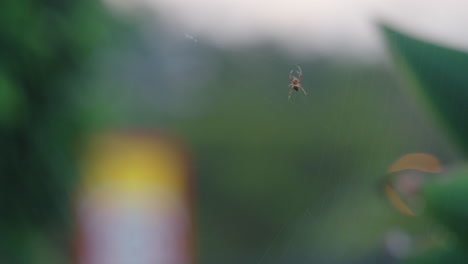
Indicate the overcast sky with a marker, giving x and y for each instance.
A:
(327, 26)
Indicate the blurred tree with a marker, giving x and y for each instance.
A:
(42, 45)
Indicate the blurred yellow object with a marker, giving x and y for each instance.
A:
(417, 161)
(409, 183)
(133, 167)
(396, 201)
(135, 201)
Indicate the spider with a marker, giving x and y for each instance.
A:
(295, 82)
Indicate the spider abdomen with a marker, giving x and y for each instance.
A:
(296, 88)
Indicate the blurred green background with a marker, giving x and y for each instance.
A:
(276, 181)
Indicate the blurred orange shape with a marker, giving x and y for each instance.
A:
(417, 161)
(396, 201)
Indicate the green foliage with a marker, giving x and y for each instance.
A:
(449, 254)
(447, 202)
(43, 44)
(11, 101)
(439, 74)
(441, 78)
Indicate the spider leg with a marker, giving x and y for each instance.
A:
(290, 75)
(299, 72)
(302, 88)
(290, 91)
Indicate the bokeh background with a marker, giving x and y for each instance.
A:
(276, 181)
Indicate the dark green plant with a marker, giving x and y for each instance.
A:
(42, 45)
(439, 77)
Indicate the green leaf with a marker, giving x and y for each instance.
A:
(453, 254)
(447, 202)
(11, 100)
(439, 75)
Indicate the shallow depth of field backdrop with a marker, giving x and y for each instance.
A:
(276, 181)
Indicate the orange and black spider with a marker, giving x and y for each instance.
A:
(295, 82)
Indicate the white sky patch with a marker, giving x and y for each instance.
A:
(327, 26)
(188, 36)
